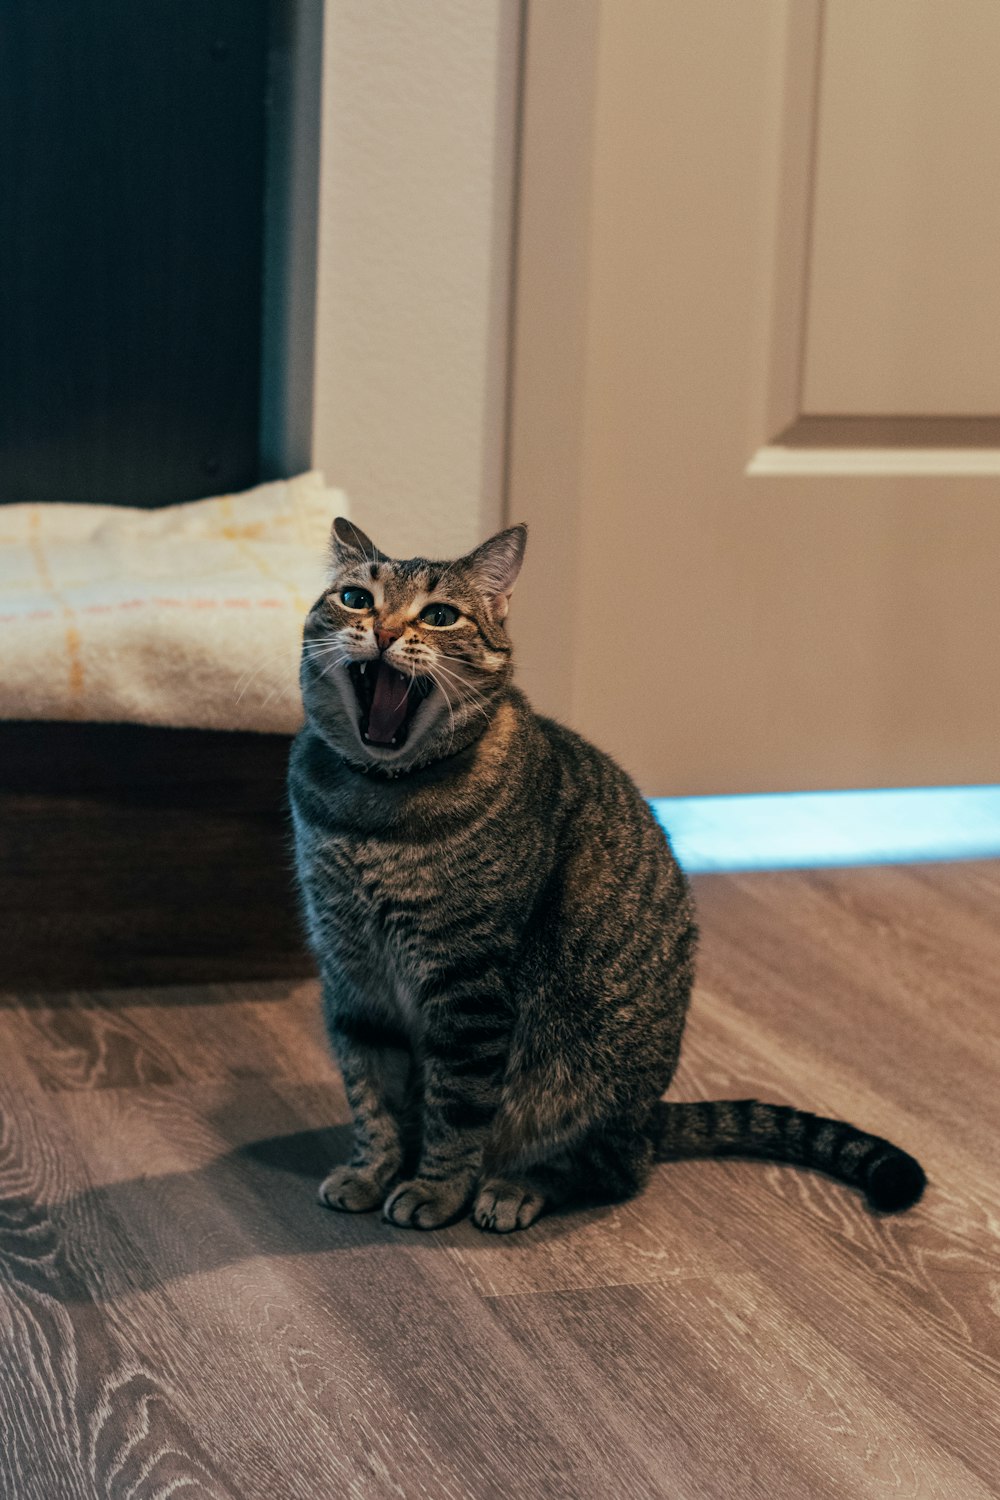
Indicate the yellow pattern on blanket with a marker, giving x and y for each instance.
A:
(190, 615)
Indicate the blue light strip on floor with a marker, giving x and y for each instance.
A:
(796, 830)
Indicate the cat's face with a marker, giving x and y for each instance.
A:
(403, 661)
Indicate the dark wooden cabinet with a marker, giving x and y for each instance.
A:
(132, 855)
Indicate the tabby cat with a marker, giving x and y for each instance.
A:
(505, 939)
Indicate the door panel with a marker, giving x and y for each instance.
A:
(903, 311)
(731, 586)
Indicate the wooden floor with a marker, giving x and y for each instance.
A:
(178, 1317)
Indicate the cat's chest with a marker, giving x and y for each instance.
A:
(377, 880)
(382, 912)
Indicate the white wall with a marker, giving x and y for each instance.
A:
(417, 161)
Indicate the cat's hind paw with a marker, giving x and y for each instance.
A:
(503, 1205)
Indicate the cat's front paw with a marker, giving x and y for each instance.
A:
(502, 1205)
(420, 1204)
(350, 1191)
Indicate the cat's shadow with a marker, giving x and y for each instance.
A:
(256, 1200)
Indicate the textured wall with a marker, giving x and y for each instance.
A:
(416, 189)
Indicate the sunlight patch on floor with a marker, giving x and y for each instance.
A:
(796, 830)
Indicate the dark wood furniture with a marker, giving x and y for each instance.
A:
(133, 855)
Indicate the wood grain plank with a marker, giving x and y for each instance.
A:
(82, 1411)
(117, 1039)
(723, 1395)
(177, 1313)
(358, 1350)
(871, 971)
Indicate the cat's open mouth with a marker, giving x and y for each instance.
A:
(387, 700)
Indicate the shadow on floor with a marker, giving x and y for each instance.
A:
(258, 1200)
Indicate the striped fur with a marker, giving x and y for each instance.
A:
(505, 941)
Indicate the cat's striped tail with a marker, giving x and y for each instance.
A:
(890, 1179)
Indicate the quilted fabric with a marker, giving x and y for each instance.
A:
(190, 615)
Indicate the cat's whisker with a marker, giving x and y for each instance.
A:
(309, 649)
(281, 690)
(318, 648)
(452, 705)
(338, 657)
(242, 683)
(464, 681)
(431, 672)
(334, 650)
(340, 661)
(466, 692)
(286, 687)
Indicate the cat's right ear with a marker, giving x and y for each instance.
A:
(349, 544)
(495, 565)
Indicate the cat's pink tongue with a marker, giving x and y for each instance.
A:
(388, 708)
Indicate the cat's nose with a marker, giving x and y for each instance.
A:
(385, 636)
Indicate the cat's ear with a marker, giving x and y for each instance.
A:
(495, 564)
(348, 544)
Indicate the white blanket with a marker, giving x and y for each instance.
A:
(190, 615)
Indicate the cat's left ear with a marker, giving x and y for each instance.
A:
(495, 565)
(348, 543)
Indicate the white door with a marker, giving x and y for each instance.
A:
(756, 388)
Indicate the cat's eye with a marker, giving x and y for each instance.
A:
(439, 614)
(356, 599)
